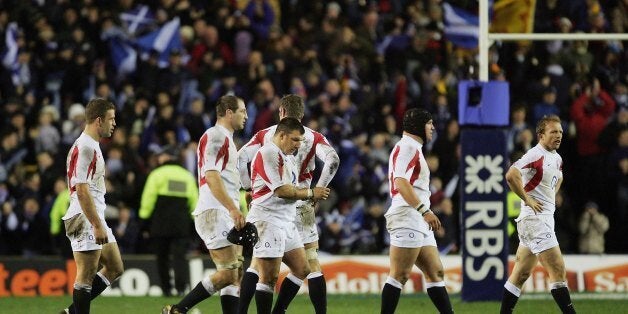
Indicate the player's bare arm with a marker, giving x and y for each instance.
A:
(406, 191)
(515, 182)
(89, 209)
(217, 187)
(289, 191)
(558, 184)
(331, 162)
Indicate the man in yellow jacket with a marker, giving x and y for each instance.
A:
(169, 197)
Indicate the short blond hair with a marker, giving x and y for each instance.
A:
(540, 127)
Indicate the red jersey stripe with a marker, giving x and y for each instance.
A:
(393, 189)
(259, 138)
(72, 168)
(318, 138)
(261, 192)
(417, 168)
(258, 169)
(92, 166)
(538, 176)
(280, 160)
(201, 161)
(223, 154)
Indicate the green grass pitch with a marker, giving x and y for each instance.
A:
(343, 304)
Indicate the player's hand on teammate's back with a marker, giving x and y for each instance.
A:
(238, 219)
(101, 235)
(536, 206)
(432, 221)
(320, 193)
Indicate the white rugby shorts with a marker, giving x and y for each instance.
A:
(408, 229)
(212, 226)
(275, 240)
(81, 234)
(536, 232)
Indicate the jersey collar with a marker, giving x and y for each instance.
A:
(414, 142)
(224, 130)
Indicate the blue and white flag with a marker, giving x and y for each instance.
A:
(461, 27)
(9, 56)
(138, 19)
(123, 56)
(164, 40)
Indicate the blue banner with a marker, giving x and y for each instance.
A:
(483, 214)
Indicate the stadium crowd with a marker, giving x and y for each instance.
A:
(359, 65)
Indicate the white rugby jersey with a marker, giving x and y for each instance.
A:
(540, 170)
(85, 164)
(216, 151)
(270, 169)
(407, 161)
(314, 143)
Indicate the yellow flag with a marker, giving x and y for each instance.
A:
(513, 16)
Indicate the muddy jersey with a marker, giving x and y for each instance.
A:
(314, 144)
(270, 169)
(216, 151)
(540, 171)
(85, 164)
(407, 161)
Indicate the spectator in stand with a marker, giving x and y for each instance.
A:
(618, 186)
(33, 229)
(47, 137)
(446, 235)
(261, 16)
(592, 227)
(71, 129)
(197, 120)
(48, 173)
(517, 125)
(621, 95)
(577, 59)
(547, 106)
(590, 113)
(609, 136)
(445, 147)
(126, 229)
(374, 225)
(566, 224)
(10, 239)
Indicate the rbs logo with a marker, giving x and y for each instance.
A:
(472, 174)
(484, 231)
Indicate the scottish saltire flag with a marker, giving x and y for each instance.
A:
(461, 27)
(9, 56)
(164, 40)
(138, 19)
(123, 56)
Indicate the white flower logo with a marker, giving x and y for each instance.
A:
(473, 168)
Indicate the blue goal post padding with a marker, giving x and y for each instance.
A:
(483, 103)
